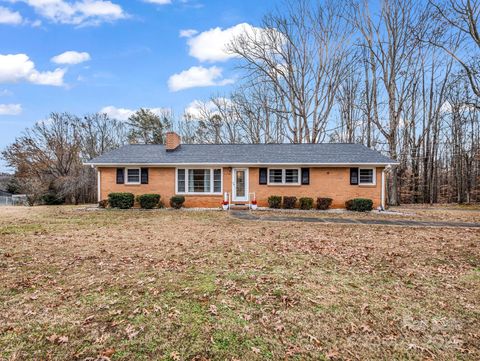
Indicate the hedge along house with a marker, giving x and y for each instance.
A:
(207, 174)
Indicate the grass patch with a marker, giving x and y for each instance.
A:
(166, 285)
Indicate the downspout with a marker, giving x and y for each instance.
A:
(99, 194)
(387, 168)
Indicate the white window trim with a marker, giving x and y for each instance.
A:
(125, 176)
(199, 193)
(284, 177)
(374, 176)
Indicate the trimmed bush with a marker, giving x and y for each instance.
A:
(323, 203)
(306, 203)
(121, 200)
(148, 201)
(289, 202)
(103, 203)
(177, 202)
(359, 205)
(274, 201)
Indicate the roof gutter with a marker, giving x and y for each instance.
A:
(238, 164)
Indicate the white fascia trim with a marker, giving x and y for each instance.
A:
(174, 165)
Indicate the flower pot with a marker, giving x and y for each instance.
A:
(225, 207)
(253, 207)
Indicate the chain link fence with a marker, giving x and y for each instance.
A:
(13, 200)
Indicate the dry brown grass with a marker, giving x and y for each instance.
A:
(437, 213)
(203, 286)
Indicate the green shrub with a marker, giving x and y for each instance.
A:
(274, 201)
(148, 201)
(177, 202)
(306, 203)
(359, 205)
(50, 199)
(289, 202)
(103, 203)
(323, 203)
(121, 200)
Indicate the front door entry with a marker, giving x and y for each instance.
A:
(240, 185)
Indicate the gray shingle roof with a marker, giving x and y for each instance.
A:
(225, 154)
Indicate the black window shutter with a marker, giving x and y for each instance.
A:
(305, 175)
(120, 175)
(354, 176)
(262, 176)
(144, 176)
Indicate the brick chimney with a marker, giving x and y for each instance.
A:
(173, 141)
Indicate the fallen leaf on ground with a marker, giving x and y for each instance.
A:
(108, 352)
(213, 310)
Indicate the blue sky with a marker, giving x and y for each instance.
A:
(83, 56)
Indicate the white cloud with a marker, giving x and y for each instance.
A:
(10, 109)
(197, 76)
(71, 57)
(211, 45)
(15, 68)
(198, 109)
(10, 17)
(5, 93)
(188, 33)
(36, 23)
(159, 2)
(125, 113)
(81, 12)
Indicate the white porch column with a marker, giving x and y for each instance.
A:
(383, 185)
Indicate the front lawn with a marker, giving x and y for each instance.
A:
(175, 285)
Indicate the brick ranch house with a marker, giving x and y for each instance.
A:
(206, 174)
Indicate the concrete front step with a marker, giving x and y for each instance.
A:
(238, 206)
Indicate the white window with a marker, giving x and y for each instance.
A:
(133, 176)
(199, 181)
(366, 176)
(217, 181)
(275, 176)
(284, 176)
(181, 181)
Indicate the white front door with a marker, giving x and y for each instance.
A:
(240, 184)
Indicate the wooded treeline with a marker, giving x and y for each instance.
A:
(400, 76)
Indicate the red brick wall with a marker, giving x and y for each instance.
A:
(324, 182)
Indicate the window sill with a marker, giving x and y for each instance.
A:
(199, 194)
(284, 185)
(371, 185)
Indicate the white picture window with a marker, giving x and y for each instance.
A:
(199, 181)
(366, 176)
(289, 176)
(133, 175)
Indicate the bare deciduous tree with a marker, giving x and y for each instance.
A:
(301, 55)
